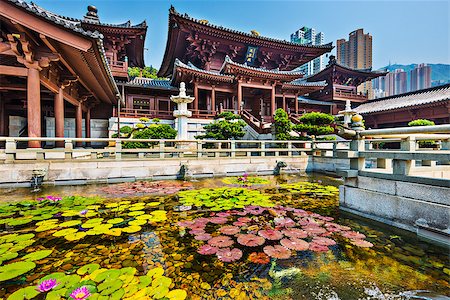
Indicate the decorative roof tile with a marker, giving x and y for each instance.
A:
(411, 99)
(303, 82)
(229, 61)
(151, 83)
(179, 64)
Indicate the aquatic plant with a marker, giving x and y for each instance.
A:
(229, 255)
(245, 180)
(259, 258)
(47, 285)
(147, 187)
(80, 293)
(277, 251)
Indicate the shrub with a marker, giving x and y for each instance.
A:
(421, 122)
(282, 125)
(226, 126)
(317, 118)
(126, 129)
(227, 115)
(156, 120)
(154, 131)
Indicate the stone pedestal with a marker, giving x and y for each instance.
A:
(182, 113)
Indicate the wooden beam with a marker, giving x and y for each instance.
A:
(37, 24)
(13, 71)
(55, 89)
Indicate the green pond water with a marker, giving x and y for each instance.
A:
(236, 238)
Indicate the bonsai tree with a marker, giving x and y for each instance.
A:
(225, 126)
(283, 125)
(424, 122)
(314, 124)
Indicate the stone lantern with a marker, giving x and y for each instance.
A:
(182, 113)
(347, 113)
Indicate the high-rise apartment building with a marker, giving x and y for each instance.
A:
(356, 53)
(420, 77)
(308, 36)
(393, 83)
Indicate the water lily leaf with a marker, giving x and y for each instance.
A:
(7, 238)
(89, 268)
(108, 274)
(132, 229)
(64, 232)
(13, 270)
(137, 222)
(56, 275)
(38, 255)
(28, 292)
(56, 294)
(177, 294)
(114, 231)
(109, 286)
(75, 236)
(70, 213)
(20, 238)
(70, 223)
(159, 291)
(155, 272)
(115, 221)
(8, 256)
(152, 204)
(117, 295)
(20, 221)
(136, 213)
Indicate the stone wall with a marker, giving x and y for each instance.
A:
(420, 208)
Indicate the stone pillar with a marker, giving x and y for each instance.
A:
(34, 107)
(272, 101)
(296, 104)
(182, 113)
(59, 116)
(213, 99)
(78, 124)
(239, 98)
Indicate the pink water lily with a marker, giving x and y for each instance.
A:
(250, 240)
(202, 237)
(221, 241)
(295, 244)
(271, 234)
(353, 235)
(81, 293)
(295, 233)
(47, 285)
(284, 222)
(323, 241)
(223, 214)
(244, 219)
(254, 210)
(318, 248)
(227, 255)
(229, 230)
(186, 223)
(277, 251)
(361, 243)
(218, 220)
(207, 250)
(239, 224)
(314, 230)
(196, 231)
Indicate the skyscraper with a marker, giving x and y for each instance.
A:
(356, 53)
(420, 77)
(308, 36)
(393, 83)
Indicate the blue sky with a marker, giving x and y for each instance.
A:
(403, 32)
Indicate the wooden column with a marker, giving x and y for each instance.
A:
(3, 116)
(284, 102)
(87, 124)
(78, 123)
(34, 107)
(239, 97)
(59, 116)
(272, 101)
(296, 104)
(196, 98)
(213, 99)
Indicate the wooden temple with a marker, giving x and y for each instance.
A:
(342, 83)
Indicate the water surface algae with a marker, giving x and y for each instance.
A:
(240, 241)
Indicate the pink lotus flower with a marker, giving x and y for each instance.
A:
(295, 233)
(40, 199)
(250, 240)
(220, 241)
(271, 234)
(284, 222)
(318, 248)
(227, 255)
(80, 293)
(323, 241)
(47, 285)
(218, 220)
(361, 243)
(53, 199)
(229, 230)
(277, 251)
(353, 235)
(295, 244)
(202, 237)
(207, 250)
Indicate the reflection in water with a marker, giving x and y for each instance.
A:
(398, 266)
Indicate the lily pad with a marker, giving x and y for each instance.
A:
(88, 269)
(13, 270)
(28, 292)
(38, 255)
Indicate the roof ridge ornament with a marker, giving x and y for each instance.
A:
(91, 15)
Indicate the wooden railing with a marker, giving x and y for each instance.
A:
(259, 126)
(203, 114)
(147, 113)
(344, 94)
(118, 68)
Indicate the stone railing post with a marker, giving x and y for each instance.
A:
(199, 149)
(233, 148)
(357, 163)
(161, 149)
(10, 149)
(408, 144)
(403, 167)
(445, 145)
(68, 149)
(263, 148)
(289, 148)
(118, 149)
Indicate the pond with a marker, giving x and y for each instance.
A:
(234, 238)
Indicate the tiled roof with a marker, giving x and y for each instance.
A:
(127, 24)
(273, 71)
(187, 17)
(411, 99)
(189, 65)
(303, 82)
(312, 101)
(150, 83)
(70, 23)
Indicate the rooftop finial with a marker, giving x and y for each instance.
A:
(91, 15)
